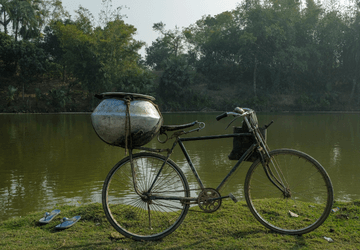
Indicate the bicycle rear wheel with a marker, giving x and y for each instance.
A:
(137, 217)
(305, 199)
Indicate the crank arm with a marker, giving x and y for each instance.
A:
(219, 198)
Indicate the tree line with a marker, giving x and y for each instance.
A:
(272, 54)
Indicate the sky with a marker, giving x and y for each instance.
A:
(144, 13)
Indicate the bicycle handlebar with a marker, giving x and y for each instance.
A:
(237, 112)
(219, 117)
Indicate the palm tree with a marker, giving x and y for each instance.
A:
(23, 18)
(4, 14)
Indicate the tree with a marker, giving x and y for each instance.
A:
(32, 62)
(52, 47)
(50, 11)
(118, 51)
(351, 51)
(109, 14)
(330, 39)
(28, 17)
(4, 14)
(216, 43)
(174, 83)
(169, 44)
(23, 57)
(8, 55)
(173, 39)
(79, 54)
(23, 18)
(102, 58)
(157, 54)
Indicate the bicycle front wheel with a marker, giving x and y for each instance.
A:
(135, 216)
(291, 194)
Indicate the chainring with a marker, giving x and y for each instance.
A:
(205, 201)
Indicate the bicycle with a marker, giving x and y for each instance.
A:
(146, 196)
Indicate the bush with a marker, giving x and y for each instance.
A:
(8, 55)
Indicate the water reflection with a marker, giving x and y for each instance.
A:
(47, 160)
(336, 155)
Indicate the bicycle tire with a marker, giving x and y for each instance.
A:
(134, 217)
(308, 202)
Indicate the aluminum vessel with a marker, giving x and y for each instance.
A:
(109, 119)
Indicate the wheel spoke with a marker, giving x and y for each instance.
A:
(309, 198)
(138, 216)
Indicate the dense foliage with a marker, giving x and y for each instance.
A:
(281, 47)
(273, 54)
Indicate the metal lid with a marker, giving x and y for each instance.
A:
(121, 95)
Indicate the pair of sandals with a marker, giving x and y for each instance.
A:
(65, 222)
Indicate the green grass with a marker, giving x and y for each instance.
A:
(231, 227)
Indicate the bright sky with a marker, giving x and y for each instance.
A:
(144, 13)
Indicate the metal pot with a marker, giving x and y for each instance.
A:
(109, 118)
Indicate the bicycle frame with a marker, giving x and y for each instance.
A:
(260, 146)
(193, 169)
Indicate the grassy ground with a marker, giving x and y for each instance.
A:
(231, 227)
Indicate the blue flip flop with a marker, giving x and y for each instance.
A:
(49, 216)
(66, 222)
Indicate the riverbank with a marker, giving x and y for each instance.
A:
(53, 96)
(231, 227)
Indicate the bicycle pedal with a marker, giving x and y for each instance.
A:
(233, 198)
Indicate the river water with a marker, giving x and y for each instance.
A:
(47, 160)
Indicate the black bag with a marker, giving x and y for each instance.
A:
(243, 143)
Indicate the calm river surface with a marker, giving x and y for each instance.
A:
(49, 160)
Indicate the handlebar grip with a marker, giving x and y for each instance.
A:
(219, 117)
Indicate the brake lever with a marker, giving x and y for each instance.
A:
(232, 122)
(266, 126)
